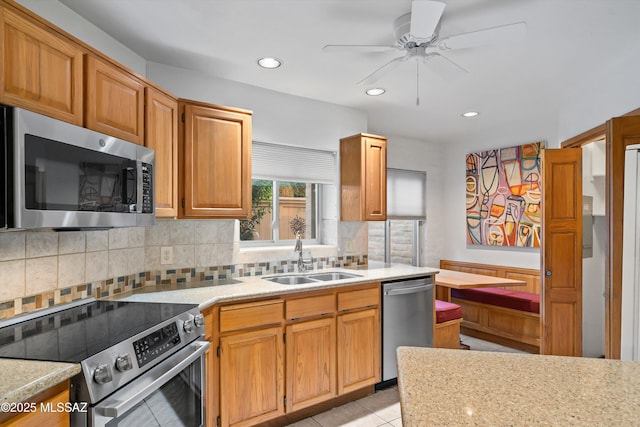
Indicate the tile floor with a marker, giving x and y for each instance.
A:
(383, 407)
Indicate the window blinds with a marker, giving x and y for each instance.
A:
(406, 194)
(288, 163)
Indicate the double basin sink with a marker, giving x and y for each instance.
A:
(299, 279)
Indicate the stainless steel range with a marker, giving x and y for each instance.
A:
(142, 363)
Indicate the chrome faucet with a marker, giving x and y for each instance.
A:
(303, 264)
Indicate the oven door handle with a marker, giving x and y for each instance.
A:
(116, 405)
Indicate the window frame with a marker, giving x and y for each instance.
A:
(275, 240)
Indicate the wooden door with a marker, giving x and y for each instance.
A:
(114, 101)
(621, 131)
(375, 183)
(251, 377)
(42, 71)
(311, 363)
(358, 350)
(216, 153)
(561, 311)
(161, 134)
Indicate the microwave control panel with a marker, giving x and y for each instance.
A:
(147, 188)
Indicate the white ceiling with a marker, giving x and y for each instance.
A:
(510, 85)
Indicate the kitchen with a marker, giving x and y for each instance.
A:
(31, 257)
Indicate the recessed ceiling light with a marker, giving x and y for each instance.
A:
(269, 62)
(470, 114)
(376, 91)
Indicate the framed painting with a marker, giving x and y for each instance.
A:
(503, 196)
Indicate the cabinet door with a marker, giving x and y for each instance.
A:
(375, 183)
(114, 101)
(161, 134)
(42, 71)
(251, 377)
(358, 350)
(311, 363)
(217, 163)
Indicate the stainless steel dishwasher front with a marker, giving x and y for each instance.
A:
(407, 319)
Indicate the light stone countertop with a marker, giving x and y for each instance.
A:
(22, 379)
(257, 286)
(440, 387)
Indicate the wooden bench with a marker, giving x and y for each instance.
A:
(511, 327)
(446, 330)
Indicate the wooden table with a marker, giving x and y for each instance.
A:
(458, 280)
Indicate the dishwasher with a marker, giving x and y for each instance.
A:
(407, 319)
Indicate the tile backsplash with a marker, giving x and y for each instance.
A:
(43, 268)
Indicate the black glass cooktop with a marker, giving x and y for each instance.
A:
(76, 333)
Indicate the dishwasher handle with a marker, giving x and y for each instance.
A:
(408, 290)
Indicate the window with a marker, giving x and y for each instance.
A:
(287, 192)
(274, 219)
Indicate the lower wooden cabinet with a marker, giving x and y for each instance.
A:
(311, 363)
(251, 377)
(279, 356)
(358, 350)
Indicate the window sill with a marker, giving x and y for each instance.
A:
(281, 253)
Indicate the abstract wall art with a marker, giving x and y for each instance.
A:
(503, 196)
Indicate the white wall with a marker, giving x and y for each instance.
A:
(606, 90)
(277, 117)
(69, 21)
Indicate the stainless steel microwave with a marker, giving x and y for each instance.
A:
(61, 176)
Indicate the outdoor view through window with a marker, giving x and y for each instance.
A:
(294, 208)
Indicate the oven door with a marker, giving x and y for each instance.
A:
(170, 394)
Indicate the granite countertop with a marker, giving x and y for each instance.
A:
(208, 293)
(464, 387)
(22, 379)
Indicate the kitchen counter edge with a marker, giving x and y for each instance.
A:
(23, 379)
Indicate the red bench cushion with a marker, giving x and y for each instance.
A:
(446, 311)
(523, 301)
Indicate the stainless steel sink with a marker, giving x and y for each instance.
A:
(299, 279)
(290, 280)
(333, 275)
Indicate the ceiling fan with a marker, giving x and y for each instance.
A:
(416, 34)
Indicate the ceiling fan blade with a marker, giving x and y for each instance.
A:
(502, 34)
(443, 66)
(357, 48)
(377, 74)
(425, 16)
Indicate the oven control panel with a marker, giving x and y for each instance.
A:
(156, 343)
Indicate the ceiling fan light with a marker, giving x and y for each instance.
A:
(269, 62)
(470, 114)
(375, 91)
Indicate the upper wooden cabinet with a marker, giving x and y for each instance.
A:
(41, 70)
(215, 160)
(114, 101)
(363, 178)
(161, 134)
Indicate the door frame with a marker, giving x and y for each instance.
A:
(614, 178)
